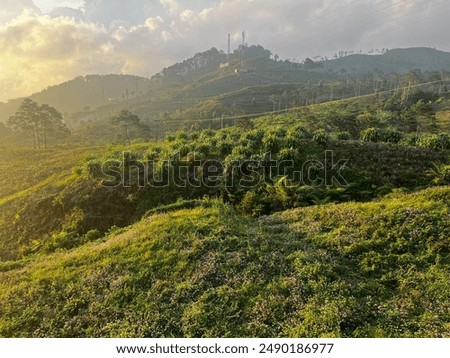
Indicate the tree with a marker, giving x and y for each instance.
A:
(125, 119)
(52, 122)
(26, 120)
(5, 132)
(37, 120)
(309, 64)
(421, 117)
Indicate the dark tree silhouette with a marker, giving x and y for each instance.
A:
(125, 119)
(37, 121)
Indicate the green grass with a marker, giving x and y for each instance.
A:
(23, 168)
(79, 259)
(443, 120)
(48, 195)
(349, 270)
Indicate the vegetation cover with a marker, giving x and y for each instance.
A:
(348, 270)
(312, 220)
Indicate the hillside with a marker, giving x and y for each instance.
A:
(198, 89)
(251, 81)
(393, 61)
(320, 220)
(124, 261)
(385, 149)
(84, 93)
(348, 270)
(70, 186)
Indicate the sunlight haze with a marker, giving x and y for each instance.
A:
(45, 42)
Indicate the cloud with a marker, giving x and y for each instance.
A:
(69, 12)
(141, 37)
(10, 9)
(47, 6)
(171, 5)
(131, 12)
(39, 50)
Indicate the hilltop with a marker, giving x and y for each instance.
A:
(84, 93)
(392, 61)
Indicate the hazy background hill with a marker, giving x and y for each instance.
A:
(84, 93)
(393, 61)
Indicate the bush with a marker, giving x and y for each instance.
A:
(251, 204)
(392, 136)
(321, 137)
(296, 135)
(92, 235)
(440, 174)
(182, 136)
(343, 136)
(272, 142)
(170, 138)
(436, 141)
(225, 148)
(410, 140)
(371, 135)
(94, 168)
(62, 241)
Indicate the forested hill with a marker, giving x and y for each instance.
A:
(393, 61)
(252, 79)
(84, 93)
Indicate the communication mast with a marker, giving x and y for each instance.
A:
(242, 48)
(229, 46)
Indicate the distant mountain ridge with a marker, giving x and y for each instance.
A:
(393, 61)
(84, 93)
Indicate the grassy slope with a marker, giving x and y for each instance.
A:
(24, 168)
(376, 269)
(48, 198)
(31, 181)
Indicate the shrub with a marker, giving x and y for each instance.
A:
(392, 136)
(440, 174)
(62, 241)
(251, 204)
(371, 135)
(296, 135)
(92, 235)
(182, 136)
(94, 168)
(272, 143)
(436, 141)
(170, 138)
(321, 137)
(225, 148)
(343, 136)
(410, 140)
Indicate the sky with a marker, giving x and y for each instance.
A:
(47, 42)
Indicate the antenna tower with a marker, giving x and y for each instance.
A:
(242, 48)
(229, 45)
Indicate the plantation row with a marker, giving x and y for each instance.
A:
(331, 153)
